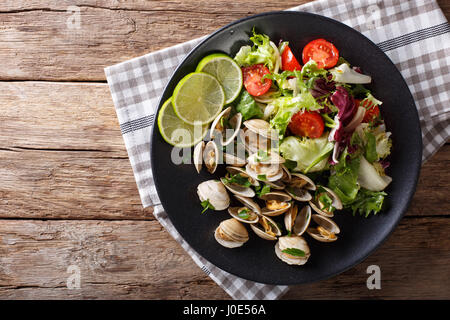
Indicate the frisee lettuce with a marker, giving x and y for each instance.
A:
(367, 202)
(260, 52)
(309, 154)
(248, 107)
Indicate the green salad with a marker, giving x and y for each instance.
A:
(312, 136)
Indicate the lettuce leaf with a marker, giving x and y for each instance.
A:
(260, 52)
(371, 150)
(344, 178)
(367, 202)
(343, 73)
(383, 144)
(309, 154)
(248, 106)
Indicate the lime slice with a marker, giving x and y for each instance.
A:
(198, 97)
(226, 70)
(176, 132)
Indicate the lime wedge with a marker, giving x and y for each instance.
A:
(176, 132)
(226, 71)
(198, 97)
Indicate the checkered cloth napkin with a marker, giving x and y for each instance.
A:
(414, 34)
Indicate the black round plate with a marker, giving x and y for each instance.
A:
(256, 260)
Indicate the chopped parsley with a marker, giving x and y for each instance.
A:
(294, 252)
(207, 205)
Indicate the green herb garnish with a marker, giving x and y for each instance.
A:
(294, 252)
(243, 214)
(262, 156)
(324, 198)
(207, 205)
(262, 177)
(238, 179)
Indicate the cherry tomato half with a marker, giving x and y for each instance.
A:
(372, 111)
(252, 76)
(307, 124)
(288, 60)
(321, 51)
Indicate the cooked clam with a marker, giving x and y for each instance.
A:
(232, 160)
(297, 222)
(214, 192)
(231, 233)
(237, 170)
(325, 202)
(211, 156)
(298, 187)
(198, 155)
(265, 166)
(277, 203)
(293, 250)
(266, 228)
(249, 203)
(261, 127)
(253, 141)
(299, 180)
(233, 185)
(326, 229)
(227, 127)
(243, 214)
(277, 185)
(287, 176)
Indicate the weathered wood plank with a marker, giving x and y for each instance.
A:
(139, 260)
(68, 185)
(47, 125)
(36, 42)
(73, 116)
(93, 185)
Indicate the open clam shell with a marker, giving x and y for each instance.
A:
(237, 170)
(299, 194)
(238, 189)
(231, 233)
(263, 172)
(277, 203)
(297, 221)
(287, 176)
(198, 156)
(261, 127)
(218, 126)
(293, 242)
(326, 230)
(249, 203)
(215, 192)
(299, 180)
(232, 160)
(266, 158)
(211, 156)
(253, 141)
(244, 214)
(266, 228)
(276, 185)
(319, 208)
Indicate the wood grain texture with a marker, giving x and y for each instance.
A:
(36, 42)
(68, 196)
(73, 163)
(139, 260)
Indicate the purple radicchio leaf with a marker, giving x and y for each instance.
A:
(357, 69)
(345, 104)
(385, 163)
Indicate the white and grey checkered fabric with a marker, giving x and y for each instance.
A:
(414, 34)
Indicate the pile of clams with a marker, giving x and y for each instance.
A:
(267, 198)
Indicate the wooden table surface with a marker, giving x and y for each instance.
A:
(67, 192)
